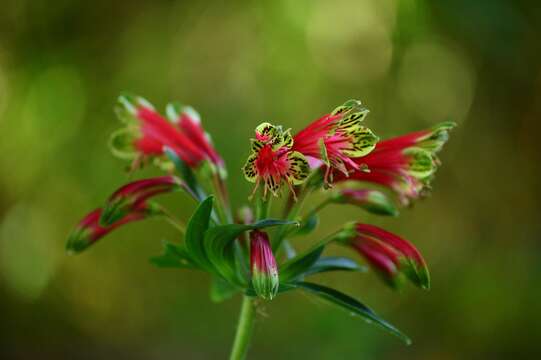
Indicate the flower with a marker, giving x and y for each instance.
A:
(89, 230)
(189, 122)
(370, 200)
(390, 255)
(147, 133)
(272, 160)
(336, 138)
(130, 196)
(405, 164)
(263, 266)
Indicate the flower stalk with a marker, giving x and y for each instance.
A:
(245, 328)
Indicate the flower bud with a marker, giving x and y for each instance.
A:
(89, 230)
(263, 266)
(390, 255)
(130, 196)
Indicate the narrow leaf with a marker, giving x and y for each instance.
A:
(298, 265)
(334, 263)
(307, 227)
(195, 232)
(352, 305)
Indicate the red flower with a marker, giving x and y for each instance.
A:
(263, 265)
(390, 255)
(272, 160)
(148, 133)
(89, 230)
(336, 138)
(404, 164)
(131, 196)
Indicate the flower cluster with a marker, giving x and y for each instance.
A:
(335, 154)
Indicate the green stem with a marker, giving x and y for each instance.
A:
(290, 215)
(245, 328)
(262, 207)
(179, 225)
(316, 209)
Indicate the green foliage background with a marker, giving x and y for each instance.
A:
(412, 62)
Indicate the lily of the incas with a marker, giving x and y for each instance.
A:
(264, 270)
(273, 161)
(336, 138)
(390, 255)
(147, 133)
(405, 164)
(240, 253)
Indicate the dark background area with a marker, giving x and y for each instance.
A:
(412, 63)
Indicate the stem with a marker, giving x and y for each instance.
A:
(290, 215)
(262, 207)
(245, 328)
(179, 225)
(316, 209)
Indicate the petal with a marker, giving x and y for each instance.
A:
(421, 163)
(249, 168)
(363, 141)
(346, 107)
(299, 169)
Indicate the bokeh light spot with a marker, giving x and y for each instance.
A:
(28, 255)
(436, 82)
(350, 40)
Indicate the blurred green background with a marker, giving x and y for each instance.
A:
(413, 63)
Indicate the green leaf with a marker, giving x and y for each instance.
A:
(218, 241)
(174, 256)
(307, 226)
(334, 263)
(195, 232)
(297, 266)
(221, 290)
(352, 305)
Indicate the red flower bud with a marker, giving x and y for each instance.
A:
(390, 255)
(89, 230)
(130, 196)
(263, 265)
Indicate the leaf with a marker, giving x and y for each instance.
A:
(221, 290)
(334, 263)
(352, 305)
(297, 266)
(218, 247)
(174, 256)
(307, 226)
(195, 232)
(186, 174)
